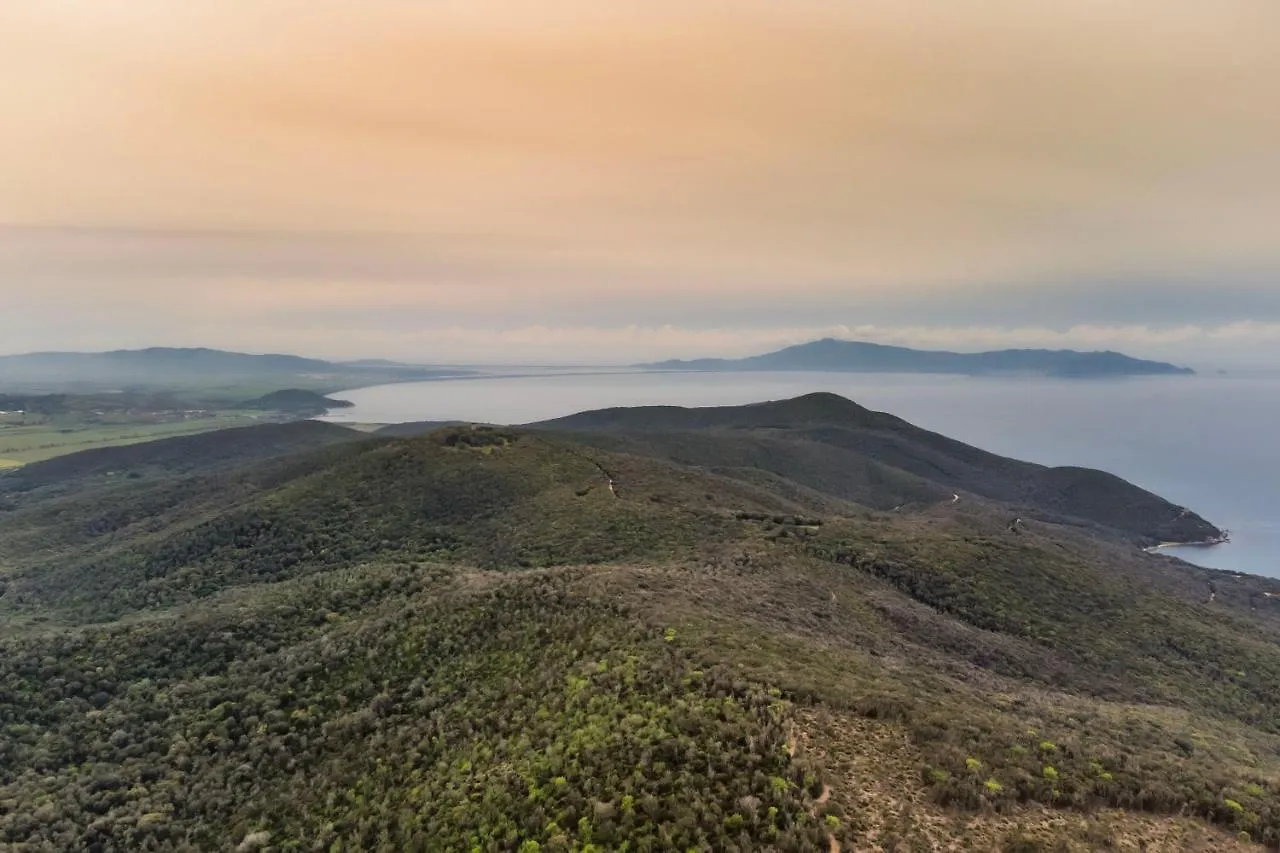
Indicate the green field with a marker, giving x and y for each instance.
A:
(22, 444)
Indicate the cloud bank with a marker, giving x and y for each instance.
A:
(368, 176)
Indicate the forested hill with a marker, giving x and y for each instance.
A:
(860, 357)
(298, 402)
(832, 444)
(555, 639)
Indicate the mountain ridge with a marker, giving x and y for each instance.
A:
(179, 367)
(825, 433)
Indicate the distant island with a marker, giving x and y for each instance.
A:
(839, 356)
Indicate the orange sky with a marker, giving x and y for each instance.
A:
(812, 161)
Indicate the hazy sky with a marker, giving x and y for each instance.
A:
(565, 180)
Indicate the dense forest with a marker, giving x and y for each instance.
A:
(583, 637)
(387, 710)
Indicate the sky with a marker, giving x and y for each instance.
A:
(573, 181)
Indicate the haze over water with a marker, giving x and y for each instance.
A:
(1207, 443)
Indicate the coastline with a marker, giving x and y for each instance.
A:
(1203, 543)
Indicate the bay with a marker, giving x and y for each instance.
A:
(1206, 442)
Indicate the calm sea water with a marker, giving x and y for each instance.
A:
(1209, 443)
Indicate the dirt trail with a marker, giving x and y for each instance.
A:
(586, 458)
(607, 476)
(832, 845)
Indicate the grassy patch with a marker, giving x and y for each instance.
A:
(24, 444)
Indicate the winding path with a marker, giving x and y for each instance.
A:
(832, 845)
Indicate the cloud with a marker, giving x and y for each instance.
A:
(337, 168)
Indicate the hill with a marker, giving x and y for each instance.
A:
(568, 637)
(859, 357)
(829, 443)
(298, 402)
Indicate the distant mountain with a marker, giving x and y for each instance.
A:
(860, 357)
(165, 367)
(376, 362)
(194, 361)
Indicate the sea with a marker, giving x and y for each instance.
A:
(1210, 443)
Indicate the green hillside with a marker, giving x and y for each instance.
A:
(635, 630)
